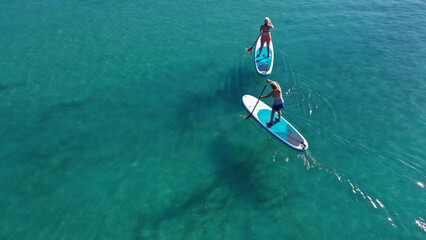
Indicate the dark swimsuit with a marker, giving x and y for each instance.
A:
(278, 106)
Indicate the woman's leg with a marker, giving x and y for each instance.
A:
(272, 117)
(267, 46)
(261, 47)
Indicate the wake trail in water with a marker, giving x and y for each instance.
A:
(310, 162)
(300, 94)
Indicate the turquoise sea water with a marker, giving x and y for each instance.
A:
(123, 120)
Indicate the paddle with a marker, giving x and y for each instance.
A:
(251, 49)
(257, 101)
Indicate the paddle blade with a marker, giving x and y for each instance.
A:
(248, 116)
(250, 49)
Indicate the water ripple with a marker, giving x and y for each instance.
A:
(310, 162)
(421, 223)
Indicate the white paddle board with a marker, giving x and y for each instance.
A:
(282, 130)
(263, 63)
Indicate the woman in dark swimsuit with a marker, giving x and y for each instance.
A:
(277, 95)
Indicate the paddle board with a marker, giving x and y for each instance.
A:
(263, 63)
(282, 130)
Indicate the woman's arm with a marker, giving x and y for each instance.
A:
(266, 96)
(270, 81)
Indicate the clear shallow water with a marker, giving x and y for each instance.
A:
(120, 121)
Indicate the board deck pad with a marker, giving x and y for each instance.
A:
(282, 130)
(263, 63)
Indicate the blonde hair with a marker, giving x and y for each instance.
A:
(267, 20)
(275, 85)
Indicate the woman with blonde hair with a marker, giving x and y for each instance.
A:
(265, 30)
(277, 95)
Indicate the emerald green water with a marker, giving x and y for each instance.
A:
(123, 120)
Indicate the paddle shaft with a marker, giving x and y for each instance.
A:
(257, 101)
(251, 49)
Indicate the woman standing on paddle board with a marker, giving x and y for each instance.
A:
(277, 95)
(265, 29)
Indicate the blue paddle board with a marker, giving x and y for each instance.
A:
(282, 130)
(263, 63)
